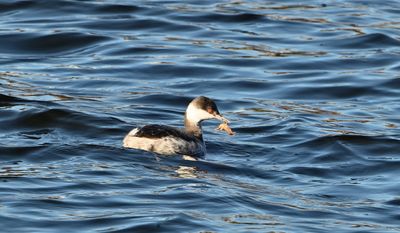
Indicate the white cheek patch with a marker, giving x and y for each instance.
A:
(194, 114)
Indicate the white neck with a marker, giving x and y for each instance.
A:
(193, 118)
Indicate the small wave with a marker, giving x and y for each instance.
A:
(16, 5)
(144, 50)
(395, 202)
(33, 43)
(56, 7)
(117, 9)
(5, 99)
(137, 24)
(355, 139)
(15, 151)
(393, 83)
(338, 92)
(73, 123)
(313, 171)
(221, 18)
(374, 40)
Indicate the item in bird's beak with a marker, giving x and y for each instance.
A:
(225, 127)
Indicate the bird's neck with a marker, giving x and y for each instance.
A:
(193, 128)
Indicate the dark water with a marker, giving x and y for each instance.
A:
(312, 89)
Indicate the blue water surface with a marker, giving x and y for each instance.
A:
(311, 88)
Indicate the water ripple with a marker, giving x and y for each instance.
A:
(28, 43)
(310, 88)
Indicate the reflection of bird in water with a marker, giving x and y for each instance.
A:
(168, 140)
(186, 172)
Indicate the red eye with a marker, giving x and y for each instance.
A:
(210, 110)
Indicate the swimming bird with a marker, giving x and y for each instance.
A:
(167, 140)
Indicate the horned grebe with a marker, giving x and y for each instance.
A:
(168, 140)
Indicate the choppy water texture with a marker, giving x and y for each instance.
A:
(312, 90)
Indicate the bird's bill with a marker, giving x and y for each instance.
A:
(221, 118)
